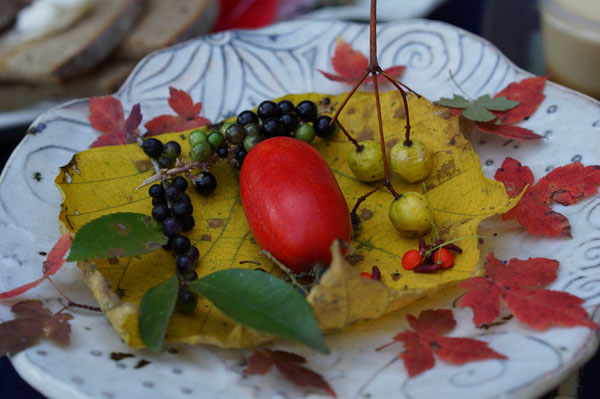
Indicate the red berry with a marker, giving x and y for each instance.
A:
(443, 257)
(366, 275)
(411, 259)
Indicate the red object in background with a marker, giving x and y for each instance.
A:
(235, 14)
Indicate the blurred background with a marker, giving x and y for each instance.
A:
(37, 76)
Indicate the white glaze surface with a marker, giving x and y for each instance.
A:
(233, 71)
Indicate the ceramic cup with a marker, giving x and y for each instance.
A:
(571, 34)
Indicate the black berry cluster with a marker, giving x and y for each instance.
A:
(164, 154)
(173, 208)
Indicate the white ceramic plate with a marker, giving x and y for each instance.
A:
(236, 70)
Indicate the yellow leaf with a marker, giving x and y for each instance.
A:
(103, 180)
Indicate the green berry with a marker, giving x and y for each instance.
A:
(201, 152)
(411, 162)
(305, 132)
(216, 140)
(410, 214)
(197, 136)
(252, 129)
(250, 142)
(235, 133)
(366, 162)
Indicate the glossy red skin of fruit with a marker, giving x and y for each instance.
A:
(411, 259)
(293, 203)
(444, 257)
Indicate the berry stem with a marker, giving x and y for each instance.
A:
(285, 269)
(386, 172)
(373, 38)
(363, 198)
(349, 137)
(432, 250)
(407, 141)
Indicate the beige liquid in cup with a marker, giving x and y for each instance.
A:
(571, 33)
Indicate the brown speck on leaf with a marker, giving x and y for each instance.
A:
(113, 261)
(351, 111)
(205, 237)
(252, 240)
(354, 259)
(116, 252)
(143, 165)
(396, 276)
(116, 356)
(446, 115)
(399, 113)
(243, 262)
(142, 363)
(366, 214)
(366, 134)
(215, 223)
(446, 170)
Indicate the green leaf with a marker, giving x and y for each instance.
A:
(478, 113)
(117, 235)
(155, 312)
(454, 102)
(263, 302)
(496, 103)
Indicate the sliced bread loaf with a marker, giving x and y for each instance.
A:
(163, 23)
(71, 52)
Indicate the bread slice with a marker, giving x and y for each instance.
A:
(71, 52)
(163, 23)
(105, 79)
(9, 10)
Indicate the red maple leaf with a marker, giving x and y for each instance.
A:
(350, 65)
(517, 285)
(188, 115)
(262, 360)
(566, 185)
(33, 322)
(426, 339)
(53, 263)
(106, 115)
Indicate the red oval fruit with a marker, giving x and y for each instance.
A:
(293, 203)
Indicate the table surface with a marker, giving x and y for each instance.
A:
(486, 18)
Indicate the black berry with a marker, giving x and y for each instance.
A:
(164, 161)
(187, 301)
(185, 264)
(181, 244)
(290, 122)
(173, 193)
(152, 147)
(272, 127)
(286, 106)
(159, 201)
(222, 152)
(204, 183)
(307, 110)
(239, 157)
(161, 212)
(247, 117)
(171, 226)
(322, 126)
(180, 182)
(193, 252)
(172, 149)
(268, 109)
(156, 191)
(188, 223)
(182, 208)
